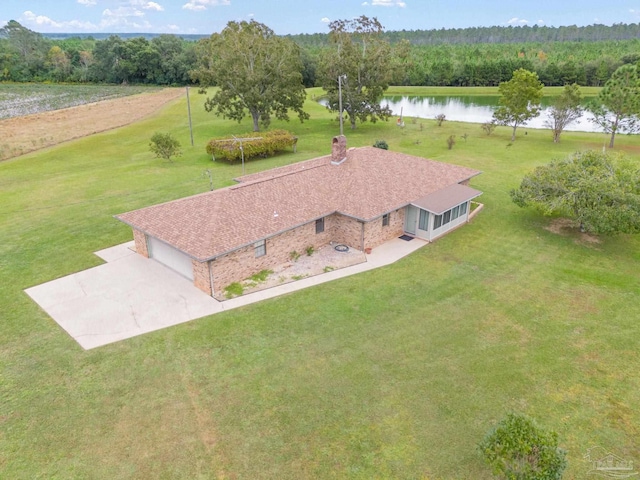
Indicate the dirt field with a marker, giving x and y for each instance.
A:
(22, 135)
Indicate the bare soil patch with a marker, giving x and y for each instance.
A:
(567, 227)
(26, 134)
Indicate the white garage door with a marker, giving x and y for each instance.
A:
(170, 257)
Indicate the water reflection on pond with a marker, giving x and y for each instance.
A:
(475, 109)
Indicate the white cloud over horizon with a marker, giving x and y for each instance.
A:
(198, 5)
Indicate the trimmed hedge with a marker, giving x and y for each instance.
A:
(228, 149)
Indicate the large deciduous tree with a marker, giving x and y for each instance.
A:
(565, 109)
(519, 100)
(601, 193)
(617, 107)
(361, 59)
(255, 72)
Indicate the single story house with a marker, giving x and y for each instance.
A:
(360, 197)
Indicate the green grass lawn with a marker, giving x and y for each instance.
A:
(394, 373)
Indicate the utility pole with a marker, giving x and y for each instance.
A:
(340, 101)
(189, 110)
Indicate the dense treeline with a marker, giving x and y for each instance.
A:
(495, 34)
(459, 57)
(26, 56)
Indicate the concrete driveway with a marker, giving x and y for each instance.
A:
(127, 296)
(131, 295)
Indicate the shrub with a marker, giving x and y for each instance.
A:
(164, 145)
(294, 256)
(518, 449)
(233, 290)
(441, 117)
(261, 276)
(488, 127)
(310, 250)
(381, 144)
(270, 143)
(451, 141)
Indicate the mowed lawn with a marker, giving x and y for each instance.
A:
(394, 373)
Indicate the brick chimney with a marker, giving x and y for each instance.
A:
(338, 150)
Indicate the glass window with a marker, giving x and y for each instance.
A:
(437, 221)
(423, 223)
(385, 220)
(320, 225)
(446, 217)
(463, 208)
(260, 248)
(455, 212)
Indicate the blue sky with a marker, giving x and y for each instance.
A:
(304, 16)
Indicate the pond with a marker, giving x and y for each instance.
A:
(470, 108)
(475, 109)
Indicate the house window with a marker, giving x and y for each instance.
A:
(463, 208)
(437, 221)
(446, 217)
(423, 223)
(455, 212)
(260, 248)
(320, 225)
(385, 220)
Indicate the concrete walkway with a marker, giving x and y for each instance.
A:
(131, 295)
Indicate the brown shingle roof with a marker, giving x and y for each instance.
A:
(442, 200)
(370, 183)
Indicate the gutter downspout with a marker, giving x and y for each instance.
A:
(210, 276)
(362, 237)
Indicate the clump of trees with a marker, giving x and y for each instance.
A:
(519, 100)
(600, 192)
(517, 448)
(617, 108)
(165, 145)
(565, 110)
(356, 69)
(255, 71)
(248, 146)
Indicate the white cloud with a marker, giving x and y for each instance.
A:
(540, 22)
(154, 6)
(325, 20)
(365, 4)
(39, 20)
(173, 28)
(388, 3)
(87, 3)
(123, 12)
(517, 21)
(146, 5)
(42, 22)
(203, 4)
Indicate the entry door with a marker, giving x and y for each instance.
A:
(411, 218)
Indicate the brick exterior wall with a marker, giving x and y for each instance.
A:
(201, 277)
(346, 230)
(242, 263)
(140, 240)
(375, 234)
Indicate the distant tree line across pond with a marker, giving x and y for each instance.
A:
(482, 56)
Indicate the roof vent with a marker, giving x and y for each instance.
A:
(338, 150)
